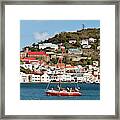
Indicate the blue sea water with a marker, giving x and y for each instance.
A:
(36, 91)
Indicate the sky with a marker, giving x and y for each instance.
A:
(33, 31)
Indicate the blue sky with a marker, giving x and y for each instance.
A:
(33, 31)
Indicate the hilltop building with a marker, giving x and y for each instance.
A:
(48, 45)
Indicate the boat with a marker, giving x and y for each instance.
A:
(63, 92)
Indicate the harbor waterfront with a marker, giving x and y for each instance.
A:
(36, 91)
(62, 63)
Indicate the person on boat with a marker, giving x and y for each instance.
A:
(76, 90)
(58, 87)
(52, 89)
(68, 90)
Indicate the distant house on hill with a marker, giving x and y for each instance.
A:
(95, 63)
(48, 45)
(98, 47)
(92, 40)
(74, 51)
(86, 46)
(72, 41)
(84, 42)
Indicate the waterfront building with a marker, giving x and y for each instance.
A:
(35, 78)
(45, 78)
(96, 79)
(25, 78)
(66, 77)
(79, 77)
(54, 78)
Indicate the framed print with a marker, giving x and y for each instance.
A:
(60, 59)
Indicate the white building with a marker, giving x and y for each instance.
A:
(74, 51)
(26, 66)
(84, 42)
(96, 80)
(86, 77)
(25, 78)
(65, 77)
(95, 63)
(35, 78)
(48, 45)
(45, 78)
(92, 39)
(72, 41)
(36, 65)
(79, 77)
(55, 78)
(98, 47)
(86, 46)
(96, 72)
(90, 67)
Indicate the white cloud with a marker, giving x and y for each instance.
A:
(41, 36)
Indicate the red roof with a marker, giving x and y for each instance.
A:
(61, 65)
(27, 59)
(30, 58)
(37, 53)
(70, 66)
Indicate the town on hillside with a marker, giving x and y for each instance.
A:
(66, 57)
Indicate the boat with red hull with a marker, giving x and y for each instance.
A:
(63, 93)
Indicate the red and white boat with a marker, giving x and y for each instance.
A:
(63, 93)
